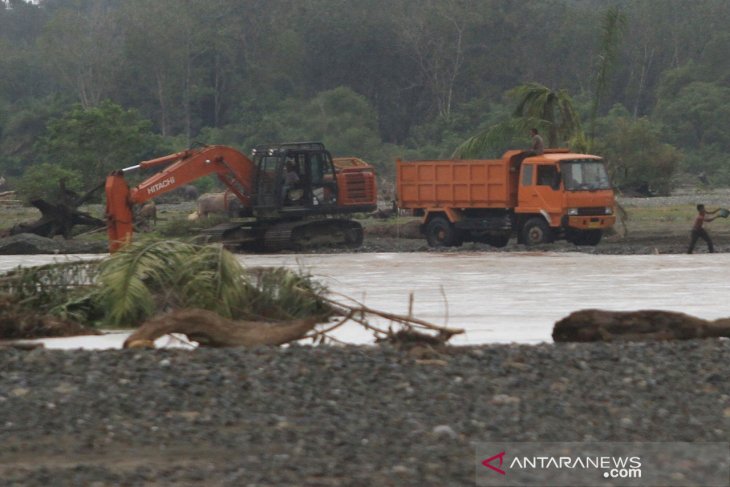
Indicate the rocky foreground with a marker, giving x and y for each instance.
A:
(340, 416)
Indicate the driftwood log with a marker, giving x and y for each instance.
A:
(592, 325)
(212, 330)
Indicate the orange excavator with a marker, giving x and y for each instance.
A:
(292, 196)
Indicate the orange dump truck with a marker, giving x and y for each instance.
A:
(556, 195)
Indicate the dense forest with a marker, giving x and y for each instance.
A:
(91, 85)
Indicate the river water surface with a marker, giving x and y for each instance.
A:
(495, 297)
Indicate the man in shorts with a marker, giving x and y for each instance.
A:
(699, 232)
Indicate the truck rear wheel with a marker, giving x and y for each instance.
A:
(536, 231)
(441, 233)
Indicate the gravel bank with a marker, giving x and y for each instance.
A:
(339, 416)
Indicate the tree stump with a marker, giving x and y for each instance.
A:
(59, 218)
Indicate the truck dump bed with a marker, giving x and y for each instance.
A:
(458, 183)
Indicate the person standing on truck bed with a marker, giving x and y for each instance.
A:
(699, 232)
(538, 146)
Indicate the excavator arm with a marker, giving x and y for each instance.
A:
(233, 168)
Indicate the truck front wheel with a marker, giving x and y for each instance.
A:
(441, 233)
(536, 231)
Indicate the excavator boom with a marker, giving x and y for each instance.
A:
(233, 168)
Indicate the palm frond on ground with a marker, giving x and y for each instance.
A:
(142, 279)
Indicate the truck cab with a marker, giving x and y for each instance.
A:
(563, 195)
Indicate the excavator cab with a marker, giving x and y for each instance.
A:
(294, 179)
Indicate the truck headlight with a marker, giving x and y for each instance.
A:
(609, 210)
(572, 211)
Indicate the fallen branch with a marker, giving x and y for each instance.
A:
(405, 320)
(333, 327)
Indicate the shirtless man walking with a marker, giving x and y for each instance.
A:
(699, 232)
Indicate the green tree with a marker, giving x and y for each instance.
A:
(342, 119)
(437, 138)
(196, 64)
(154, 61)
(42, 181)
(636, 157)
(23, 123)
(697, 116)
(97, 140)
(434, 34)
(82, 50)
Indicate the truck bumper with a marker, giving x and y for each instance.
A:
(588, 222)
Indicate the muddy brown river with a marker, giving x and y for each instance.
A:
(496, 297)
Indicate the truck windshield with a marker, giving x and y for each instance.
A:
(584, 175)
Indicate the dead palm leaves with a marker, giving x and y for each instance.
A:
(142, 280)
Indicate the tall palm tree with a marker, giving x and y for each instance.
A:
(553, 109)
(613, 25)
(537, 106)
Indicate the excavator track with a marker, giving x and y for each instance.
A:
(291, 235)
(309, 234)
(278, 237)
(230, 234)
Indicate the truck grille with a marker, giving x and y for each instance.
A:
(592, 211)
